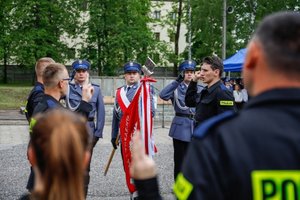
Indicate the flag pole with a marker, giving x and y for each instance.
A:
(111, 156)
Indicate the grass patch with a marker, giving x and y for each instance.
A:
(13, 96)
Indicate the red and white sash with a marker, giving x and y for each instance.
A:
(122, 99)
(136, 116)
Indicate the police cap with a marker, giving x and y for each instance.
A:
(132, 67)
(81, 64)
(187, 65)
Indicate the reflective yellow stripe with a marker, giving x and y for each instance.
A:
(31, 124)
(25, 110)
(182, 187)
(275, 184)
(226, 103)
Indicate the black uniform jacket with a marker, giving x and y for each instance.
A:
(251, 155)
(210, 102)
(48, 102)
(33, 99)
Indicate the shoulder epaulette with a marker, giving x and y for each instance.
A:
(51, 103)
(120, 87)
(223, 87)
(38, 89)
(95, 85)
(202, 130)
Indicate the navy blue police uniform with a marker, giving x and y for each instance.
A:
(210, 102)
(96, 117)
(124, 95)
(33, 99)
(182, 126)
(130, 91)
(250, 155)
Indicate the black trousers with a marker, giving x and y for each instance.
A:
(180, 148)
(87, 172)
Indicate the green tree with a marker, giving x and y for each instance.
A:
(207, 23)
(42, 27)
(117, 32)
(6, 35)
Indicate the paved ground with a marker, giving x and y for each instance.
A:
(14, 167)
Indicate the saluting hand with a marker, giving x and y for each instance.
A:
(197, 76)
(87, 92)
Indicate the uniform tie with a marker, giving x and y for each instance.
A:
(128, 88)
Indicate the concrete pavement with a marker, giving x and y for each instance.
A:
(14, 167)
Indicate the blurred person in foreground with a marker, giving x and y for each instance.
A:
(253, 154)
(59, 154)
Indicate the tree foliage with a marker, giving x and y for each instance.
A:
(117, 32)
(207, 23)
(41, 26)
(6, 35)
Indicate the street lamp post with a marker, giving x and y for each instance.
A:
(224, 29)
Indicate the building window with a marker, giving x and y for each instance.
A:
(157, 36)
(156, 14)
(172, 15)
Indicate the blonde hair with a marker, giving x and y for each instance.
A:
(41, 64)
(60, 141)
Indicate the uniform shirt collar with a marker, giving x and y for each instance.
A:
(213, 87)
(134, 86)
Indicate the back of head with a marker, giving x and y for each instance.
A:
(52, 74)
(41, 64)
(215, 62)
(279, 36)
(187, 65)
(60, 139)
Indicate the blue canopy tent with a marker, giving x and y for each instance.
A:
(235, 62)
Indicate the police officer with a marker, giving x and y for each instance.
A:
(124, 95)
(97, 115)
(183, 123)
(132, 75)
(96, 118)
(55, 78)
(37, 91)
(215, 98)
(35, 97)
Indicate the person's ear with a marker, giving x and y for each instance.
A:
(31, 156)
(217, 72)
(86, 159)
(59, 84)
(252, 56)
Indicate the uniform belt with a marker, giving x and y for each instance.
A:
(191, 116)
(91, 119)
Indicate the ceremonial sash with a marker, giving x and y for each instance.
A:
(122, 99)
(137, 116)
